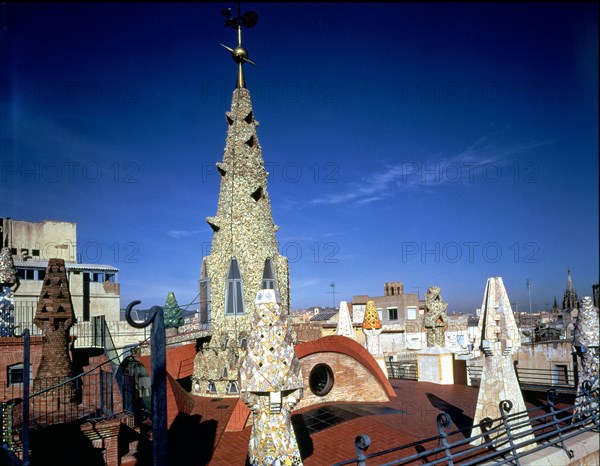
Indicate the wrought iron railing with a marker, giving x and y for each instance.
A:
(504, 440)
(561, 378)
(59, 400)
(402, 370)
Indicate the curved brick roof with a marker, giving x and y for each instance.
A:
(344, 345)
(180, 364)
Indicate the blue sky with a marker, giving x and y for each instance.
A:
(433, 144)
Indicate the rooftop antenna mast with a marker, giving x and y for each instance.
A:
(332, 293)
(418, 288)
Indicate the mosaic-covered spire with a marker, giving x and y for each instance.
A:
(498, 338)
(271, 384)
(9, 283)
(244, 256)
(344, 323)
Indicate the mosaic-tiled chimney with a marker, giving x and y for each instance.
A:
(498, 338)
(54, 316)
(9, 282)
(344, 324)
(372, 329)
(271, 384)
(435, 319)
(586, 343)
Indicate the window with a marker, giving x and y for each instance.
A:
(411, 313)
(41, 274)
(204, 300)
(561, 376)
(35, 252)
(25, 252)
(232, 388)
(234, 295)
(204, 295)
(392, 313)
(268, 281)
(26, 274)
(380, 313)
(320, 379)
(14, 374)
(212, 388)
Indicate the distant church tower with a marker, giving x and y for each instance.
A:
(244, 255)
(570, 300)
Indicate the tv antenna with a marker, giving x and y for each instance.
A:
(332, 285)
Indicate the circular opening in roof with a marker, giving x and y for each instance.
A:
(320, 379)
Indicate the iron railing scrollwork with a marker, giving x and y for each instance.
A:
(506, 439)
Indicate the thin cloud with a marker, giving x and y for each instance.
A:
(459, 169)
(178, 234)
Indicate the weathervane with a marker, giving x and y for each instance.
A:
(240, 54)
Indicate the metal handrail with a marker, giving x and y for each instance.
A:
(512, 432)
(532, 378)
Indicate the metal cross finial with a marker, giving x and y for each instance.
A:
(240, 54)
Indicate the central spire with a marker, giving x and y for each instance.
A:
(240, 54)
(244, 256)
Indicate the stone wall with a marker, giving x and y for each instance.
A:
(50, 238)
(545, 355)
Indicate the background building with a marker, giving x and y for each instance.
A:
(94, 288)
(399, 315)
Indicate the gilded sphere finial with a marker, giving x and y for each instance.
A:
(239, 54)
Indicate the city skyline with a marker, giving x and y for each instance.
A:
(433, 144)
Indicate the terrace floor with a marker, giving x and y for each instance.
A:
(326, 434)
